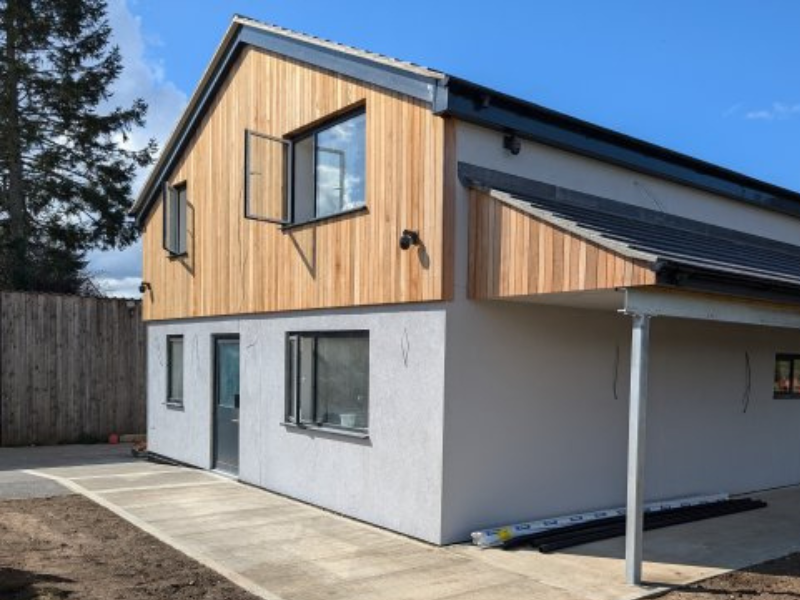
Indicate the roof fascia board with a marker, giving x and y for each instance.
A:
(363, 69)
(417, 86)
(666, 303)
(464, 101)
(184, 130)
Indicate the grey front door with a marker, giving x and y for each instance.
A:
(226, 404)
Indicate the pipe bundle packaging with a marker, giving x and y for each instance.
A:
(489, 538)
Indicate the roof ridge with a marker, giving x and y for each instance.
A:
(334, 45)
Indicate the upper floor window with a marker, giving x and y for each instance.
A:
(787, 376)
(329, 169)
(316, 174)
(175, 219)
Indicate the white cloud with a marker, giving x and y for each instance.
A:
(732, 110)
(778, 111)
(119, 287)
(142, 77)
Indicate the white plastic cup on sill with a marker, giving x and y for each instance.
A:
(348, 419)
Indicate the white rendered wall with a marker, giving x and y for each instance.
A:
(532, 425)
(183, 434)
(484, 147)
(393, 479)
(533, 428)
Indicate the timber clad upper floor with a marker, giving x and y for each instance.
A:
(233, 265)
(300, 163)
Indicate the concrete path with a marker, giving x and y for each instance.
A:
(280, 548)
(17, 484)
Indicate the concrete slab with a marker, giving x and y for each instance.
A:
(280, 548)
(16, 484)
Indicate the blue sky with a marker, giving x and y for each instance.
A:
(717, 79)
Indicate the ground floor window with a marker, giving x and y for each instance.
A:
(787, 376)
(328, 379)
(175, 370)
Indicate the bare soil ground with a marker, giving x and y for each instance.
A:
(69, 547)
(774, 580)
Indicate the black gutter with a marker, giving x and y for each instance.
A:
(483, 106)
(687, 277)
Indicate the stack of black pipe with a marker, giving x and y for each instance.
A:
(573, 535)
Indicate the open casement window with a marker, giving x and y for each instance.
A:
(787, 376)
(175, 219)
(267, 166)
(328, 380)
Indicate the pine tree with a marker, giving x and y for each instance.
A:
(66, 172)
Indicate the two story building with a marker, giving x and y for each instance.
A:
(434, 307)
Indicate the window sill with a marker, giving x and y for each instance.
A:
(786, 396)
(174, 405)
(350, 433)
(340, 215)
(172, 256)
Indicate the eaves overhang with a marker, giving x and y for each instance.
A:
(483, 106)
(458, 98)
(405, 78)
(682, 254)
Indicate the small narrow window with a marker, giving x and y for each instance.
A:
(329, 169)
(328, 379)
(175, 219)
(787, 376)
(175, 370)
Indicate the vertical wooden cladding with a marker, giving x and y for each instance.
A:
(512, 253)
(236, 265)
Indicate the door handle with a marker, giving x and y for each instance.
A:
(236, 400)
(234, 420)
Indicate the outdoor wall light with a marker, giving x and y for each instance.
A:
(512, 143)
(409, 238)
(144, 286)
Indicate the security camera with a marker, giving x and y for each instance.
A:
(143, 287)
(512, 143)
(409, 238)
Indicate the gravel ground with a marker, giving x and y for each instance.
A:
(70, 547)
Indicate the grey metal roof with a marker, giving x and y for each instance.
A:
(455, 97)
(671, 244)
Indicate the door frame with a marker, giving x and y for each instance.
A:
(214, 390)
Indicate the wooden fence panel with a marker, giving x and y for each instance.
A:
(71, 368)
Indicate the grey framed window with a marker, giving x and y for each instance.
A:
(328, 380)
(175, 370)
(175, 229)
(268, 167)
(329, 168)
(787, 376)
(316, 174)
